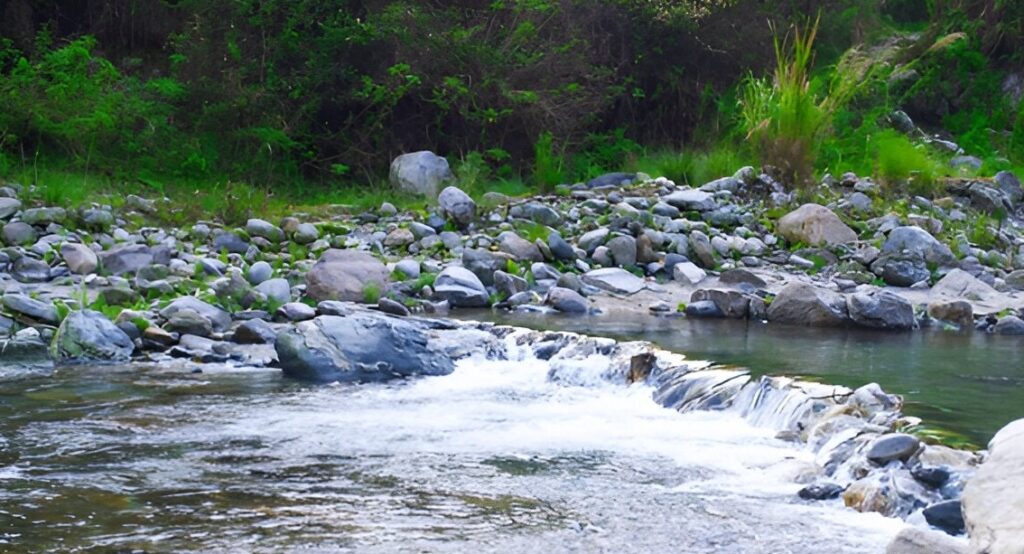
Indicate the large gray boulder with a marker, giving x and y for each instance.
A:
(804, 304)
(919, 244)
(815, 225)
(519, 248)
(461, 288)
(692, 199)
(79, 258)
(360, 347)
(457, 206)
(881, 309)
(993, 500)
(345, 275)
(918, 540)
(43, 312)
(87, 337)
(421, 172)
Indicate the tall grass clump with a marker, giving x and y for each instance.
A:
(547, 165)
(901, 163)
(783, 117)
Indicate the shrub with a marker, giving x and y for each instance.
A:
(900, 162)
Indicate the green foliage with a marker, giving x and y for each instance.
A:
(547, 165)
(901, 162)
(371, 293)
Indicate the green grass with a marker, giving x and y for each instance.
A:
(898, 161)
(694, 167)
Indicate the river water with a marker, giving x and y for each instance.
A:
(964, 386)
(495, 457)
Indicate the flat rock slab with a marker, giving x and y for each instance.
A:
(613, 279)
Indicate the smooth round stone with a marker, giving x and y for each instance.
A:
(409, 268)
(259, 272)
(947, 515)
(896, 446)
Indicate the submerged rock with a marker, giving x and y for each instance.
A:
(89, 337)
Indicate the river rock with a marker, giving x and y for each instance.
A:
(278, 290)
(815, 225)
(804, 304)
(392, 307)
(508, 284)
(901, 269)
(545, 215)
(79, 258)
(97, 219)
(19, 233)
(562, 250)
(701, 245)
(43, 312)
(731, 303)
(44, 216)
(457, 206)
(189, 322)
(881, 309)
(993, 500)
(946, 515)
(128, 258)
(614, 280)
(420, 173)
(360, 347)
(461, 288)
(259, 272)
(254, 331)
(344, 275)
(306, 233)
(566, 300)
(295, 311)
(518, 247)
(916, 540)
(1009, 184)
(30, 270)
(918, 243)
(622, 250)
(230, 243)
(692, 199)
(894, 446)
(959, 284)
(87, 337)
(688, 273)
(591, 240)
(1009, 325)
(218, 318)
(821, 491)
(9, 207)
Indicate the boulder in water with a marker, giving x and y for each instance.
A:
(916, 540)
(361, 347)
(803, 304)
(89, 337)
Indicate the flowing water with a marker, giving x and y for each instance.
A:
(969, 384)
(496, 457)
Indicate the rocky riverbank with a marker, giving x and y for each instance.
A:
(333, 299)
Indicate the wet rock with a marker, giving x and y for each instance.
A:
(1009, 325)
(892, 493)
(703, 308)
(79, 258)
(821, 491)
(815, 225)
(803, 304)
(254, 331)
(345, 275)
(19, 233)
(881, 309)
(461, 288)
(895, 446)
(87, 337)
(931, 476)
(124, 259)
(457, 206)
(421, 172)
(945, 515)
(993, 500)
(218, 318)
(37, 310)
(361, 347)
(614, 280)
(915, 540)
